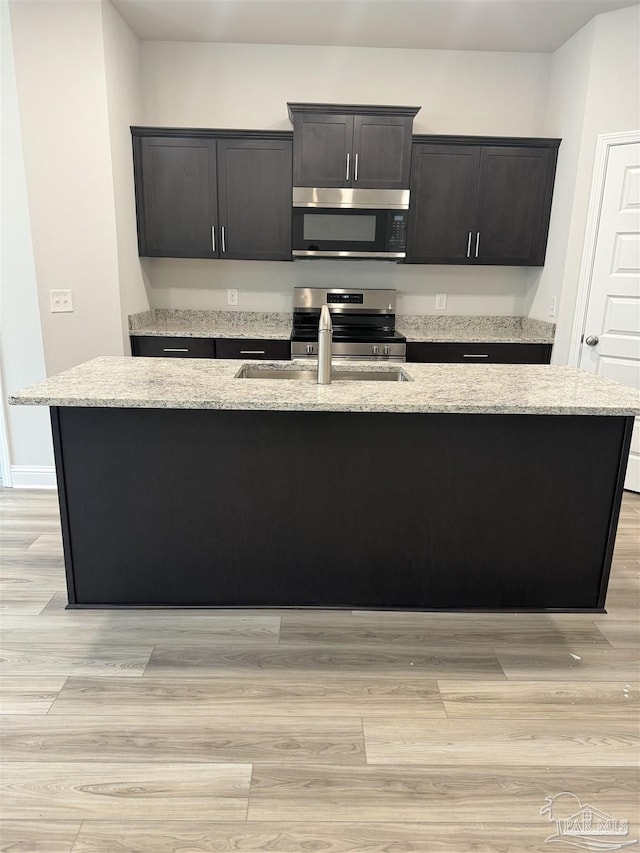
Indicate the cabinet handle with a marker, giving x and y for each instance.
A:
(213, 239)
(252, 352)
(355, 169)
(469, 245)
(347, 173)
(175, 349)
(477, 243)
(224, 244)
(474, 355)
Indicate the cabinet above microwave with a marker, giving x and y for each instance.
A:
(345, 145)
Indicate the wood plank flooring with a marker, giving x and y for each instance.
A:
(156, 731)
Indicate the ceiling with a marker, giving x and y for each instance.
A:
(504, 25)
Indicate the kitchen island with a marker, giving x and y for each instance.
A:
(492, 487)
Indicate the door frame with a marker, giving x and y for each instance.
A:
(5, 456)
(605, 143)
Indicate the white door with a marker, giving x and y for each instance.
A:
(611, 340)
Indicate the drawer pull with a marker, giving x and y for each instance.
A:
(475, 355)
(252, 352)
(175, 349)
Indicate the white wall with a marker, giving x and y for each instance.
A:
(199, 84)
(248, 86)
(122, 71)
(179, 283)
(594, 89)
(568, 84)
(21, 352)
(60, 74)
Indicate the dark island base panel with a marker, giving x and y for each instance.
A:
(356, 510)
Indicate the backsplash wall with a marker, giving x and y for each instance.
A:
(268, 286)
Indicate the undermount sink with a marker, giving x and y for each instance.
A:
(389, 374)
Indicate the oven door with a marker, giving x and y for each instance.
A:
(329, 232)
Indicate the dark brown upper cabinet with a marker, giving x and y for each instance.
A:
(340, 145)
(176, 196)
(480, 200)
(211, 194)
(254, 199)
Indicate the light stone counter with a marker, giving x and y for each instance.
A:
(164, 322)
(432, 328)
(451, 388)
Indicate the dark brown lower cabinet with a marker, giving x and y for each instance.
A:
(169, 347)
(474, 353)
(249, 348)
(484, 511)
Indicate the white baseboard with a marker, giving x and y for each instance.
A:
(33, 477)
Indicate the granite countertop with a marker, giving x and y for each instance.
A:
(165, 322)
(453, 388)
(432, 328)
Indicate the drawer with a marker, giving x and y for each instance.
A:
(479, 353)
(170, 347)
(249, 348)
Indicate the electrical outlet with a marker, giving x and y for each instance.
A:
(60, 301)
(552, 307)
(441, 301)
(232, 296)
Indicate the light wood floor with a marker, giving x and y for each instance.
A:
(304, 732)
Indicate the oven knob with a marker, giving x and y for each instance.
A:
(375, 350)
(386, 351)
(310, 349)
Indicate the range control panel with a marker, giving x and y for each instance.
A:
(345, 298)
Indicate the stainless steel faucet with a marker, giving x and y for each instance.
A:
(325, 334)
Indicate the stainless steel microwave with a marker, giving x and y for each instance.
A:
(349, 223)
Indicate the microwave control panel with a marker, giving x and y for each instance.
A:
(397, 231)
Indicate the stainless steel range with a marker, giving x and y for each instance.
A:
(363, 324)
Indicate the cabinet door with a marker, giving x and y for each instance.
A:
(253, 348)
(176, 197)
(444, 181)
(170, 347)
(514, 202)
(381, 152)
(254, 199)
(322, 150)
(474, 353)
